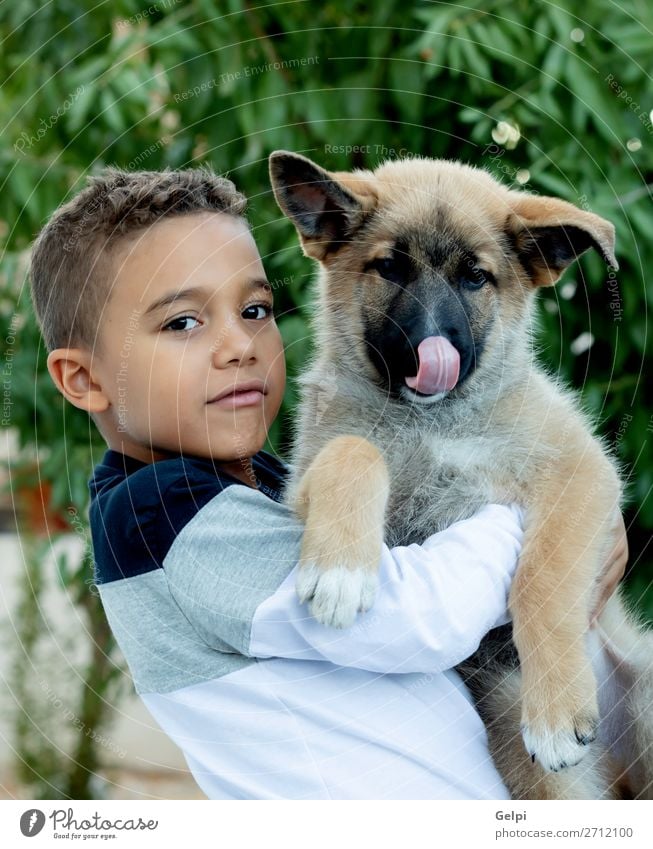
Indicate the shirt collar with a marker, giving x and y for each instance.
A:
(270, 470)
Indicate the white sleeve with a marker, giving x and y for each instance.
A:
(435, 603)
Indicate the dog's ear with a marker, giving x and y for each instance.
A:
(549, 234)
(326, 208)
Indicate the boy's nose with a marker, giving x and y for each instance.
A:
(233, 344)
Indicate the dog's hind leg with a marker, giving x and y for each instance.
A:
(500, 707)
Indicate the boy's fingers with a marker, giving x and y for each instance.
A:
(614, 567)
(609, 584)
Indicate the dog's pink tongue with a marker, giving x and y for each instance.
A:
(439, 366)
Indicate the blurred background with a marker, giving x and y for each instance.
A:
(554, 97)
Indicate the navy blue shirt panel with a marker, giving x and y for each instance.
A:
(137, 509)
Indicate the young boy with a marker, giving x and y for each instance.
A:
(157, 314)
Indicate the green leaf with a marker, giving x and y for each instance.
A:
(590, 97)
(476, 62)
(110, 112)
(23, 189)
(553, 67)
(79, 112)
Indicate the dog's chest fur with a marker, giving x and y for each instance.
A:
(443, 467)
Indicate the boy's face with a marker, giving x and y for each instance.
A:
(188, 318)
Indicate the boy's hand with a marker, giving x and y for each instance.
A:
(614, 567)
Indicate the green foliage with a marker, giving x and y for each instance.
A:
(551, 97)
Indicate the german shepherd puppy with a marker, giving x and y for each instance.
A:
(435, 407)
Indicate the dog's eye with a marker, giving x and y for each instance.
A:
(473, 278)
(387, 267)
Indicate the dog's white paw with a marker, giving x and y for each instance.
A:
(556, 749)
(336, 594)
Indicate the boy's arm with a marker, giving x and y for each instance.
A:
(231, 571)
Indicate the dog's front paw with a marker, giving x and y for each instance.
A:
(560, 746)
(337, 593)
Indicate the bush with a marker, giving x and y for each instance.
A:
(554, 98)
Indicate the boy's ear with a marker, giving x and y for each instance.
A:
(70, 369)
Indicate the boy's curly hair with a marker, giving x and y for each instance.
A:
(70, 266)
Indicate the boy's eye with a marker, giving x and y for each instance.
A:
(266, 308)
(179, 323)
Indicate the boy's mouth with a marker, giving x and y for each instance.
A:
(244, 394)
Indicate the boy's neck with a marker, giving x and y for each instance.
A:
(240, 469)
(140, 452)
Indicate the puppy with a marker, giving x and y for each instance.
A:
(428, 274)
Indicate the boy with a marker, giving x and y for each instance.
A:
(158, 317)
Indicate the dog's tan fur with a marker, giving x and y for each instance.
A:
(508, 433)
